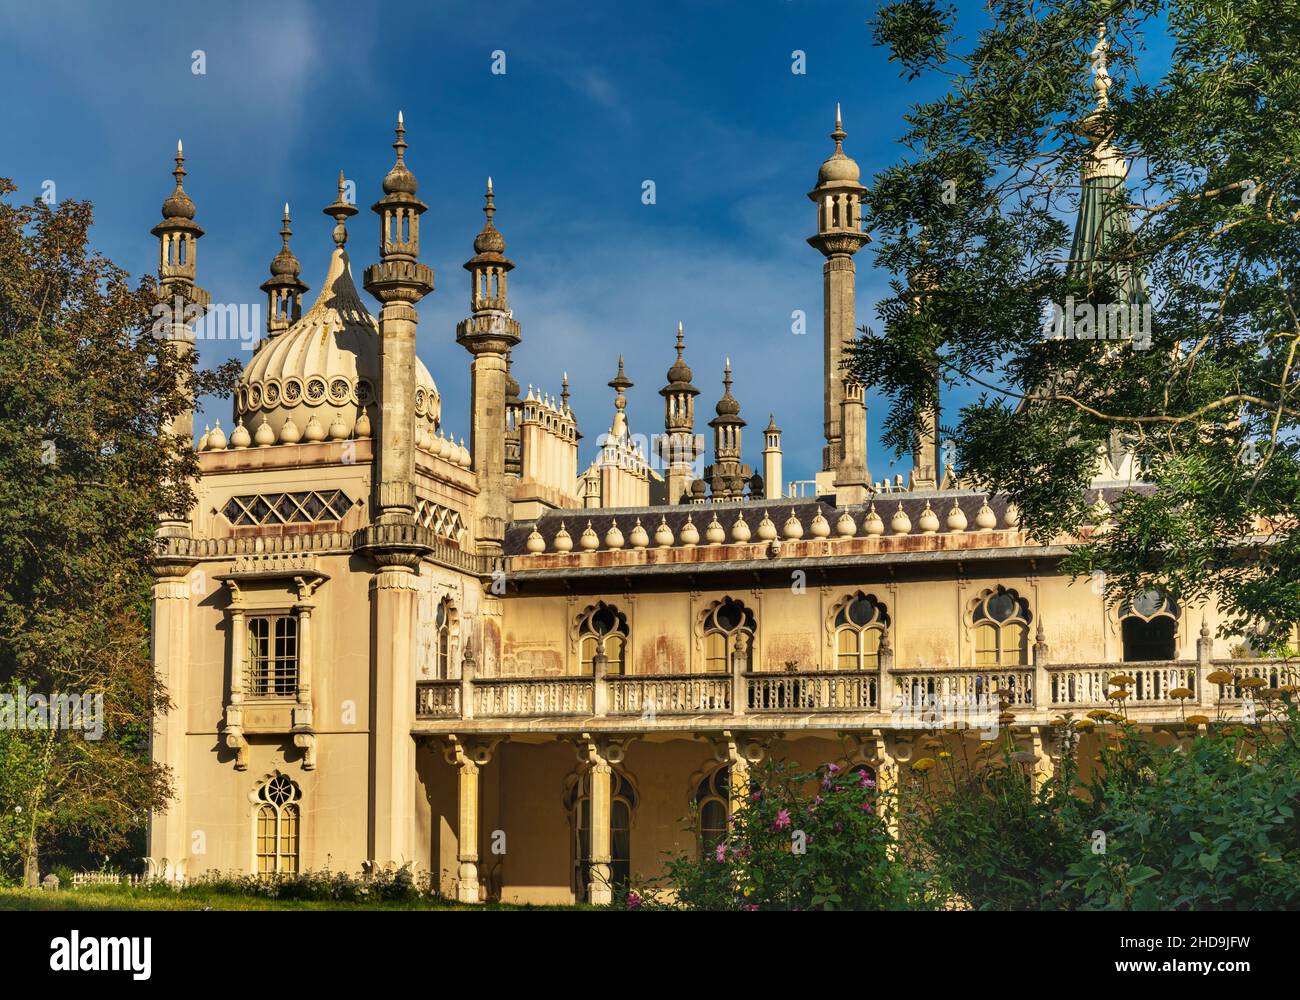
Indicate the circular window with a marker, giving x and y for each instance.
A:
(339, 390)
(254, 396)
(272, 393)
(315, 390)
(363, 391)
(292, 390)
(1001, 607)
(861, 611)
(603, 621)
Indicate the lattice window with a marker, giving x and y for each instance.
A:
(443, 521)
(311, 507)
(278, 821)
(728, 627)
(859, 627)
(1001, 619)
(602, 627)
(273, 656)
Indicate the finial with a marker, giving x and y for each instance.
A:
(564, 390)
(489, 183)
(489, 207)
(179, 172)
(681, 341)
(1101, 76)
(399, 143)
(340, 212)
(285, 231)
(839, 135)
(619, 383)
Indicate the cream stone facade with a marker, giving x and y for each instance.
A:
(528, 678)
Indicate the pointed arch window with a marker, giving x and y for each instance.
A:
(1149, 626)
(602, 628)
(1001, 618)
(728, 627)
(713, 809)
(859, 628)
(621, 804)
(444, 617)
(278, 826)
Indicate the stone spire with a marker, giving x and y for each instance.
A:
(398, 281)
(838, 196)
(772, 460)
(489, 333)
(727, 476)
(284, 289)
(620, 383)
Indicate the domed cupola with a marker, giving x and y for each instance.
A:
(326, 365)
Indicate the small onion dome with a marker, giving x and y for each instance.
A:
(663, 534)
(1012, 517)
(489, 241)
(400, 180)
(985, 519)
(767, 529)
(839, 168)
(563, 541)
(639, 539)
(217, 440)
(614, 536)
(284, 264)
(588, 540)
(846, 527)
(820, 527)
(363, 424)
(203, 441)
(464, 454)
(872, 523)
(290, 432)
(727, 405)
(957, 518)
(792, 529)
(423, 440)
(178, 204)
(929, 522)
(338, 428)
(900, 523)
(771, 425)
(536, 543)
(442, 447)
(265, 435)
(239, 437)
(680, 374)
(756, 486)
(313, 431)
(740, 530)
(690, 533)
(698, 488)
(714, 533)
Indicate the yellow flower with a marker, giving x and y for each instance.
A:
(1085, 725)
(1254, 682)
(1180, 693)
(1219, 677)
(1122, 680)
(1198, 720)
(944, 755)
(923, 765)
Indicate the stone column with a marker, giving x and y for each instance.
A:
(600, 889)
(238, 626)
(487, 445)
(600, 683)
(170, 645)
(467, 887)
(739, 682)
(851, 476)
(838, 279)
(394, 599)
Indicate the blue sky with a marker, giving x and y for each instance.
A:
(596, 98)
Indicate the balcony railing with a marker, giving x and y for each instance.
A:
(1162, 691)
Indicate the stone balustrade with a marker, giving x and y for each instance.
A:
(1162, 692)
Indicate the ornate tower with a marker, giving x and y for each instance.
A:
(489, 333)
(398, 281)
(927, 472)
(838, 197)
(178, 236)
(394, 540)
(679, 449)
(284, 289)
(772, 460)
(727, 476)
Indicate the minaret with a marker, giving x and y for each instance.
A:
(772, 460)
(284, 289)
(838, 197)
(394, 540)
(514, 413)
(727, 475)
(399, 281)
(489, 333)
(679, 449)
(178, 235)
(620, 383)
(173, 593)
(927, 473)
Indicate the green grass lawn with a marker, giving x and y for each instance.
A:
(197, 898)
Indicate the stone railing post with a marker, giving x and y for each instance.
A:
(600, 684)
(467, 670)
(739, 683)
(1042, 696)
(885, 693)
(1204, 650)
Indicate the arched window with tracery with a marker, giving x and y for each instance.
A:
(622, 802)
(729, 627)
(602, 627)
(713, 809)
(860, 626)
(444, 616)
(1001, 619)
(1149, 626)
(278, 825)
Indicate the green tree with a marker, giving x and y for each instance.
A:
(1051, 172)
(86, 389)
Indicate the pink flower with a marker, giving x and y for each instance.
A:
(867, 807)
(633, 901)
(832, 769)
(782, 820)
(755, 796)
(721, 852)
(750, 906)
(818, 800)
(864, 780)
